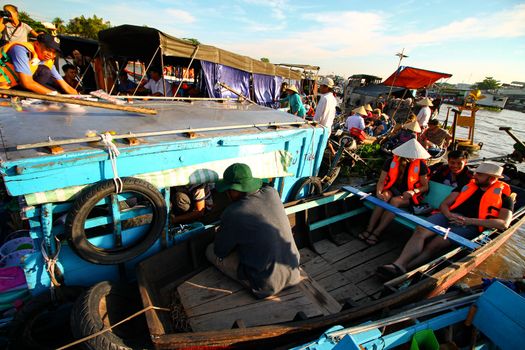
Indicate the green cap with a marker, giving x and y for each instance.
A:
(238, 177)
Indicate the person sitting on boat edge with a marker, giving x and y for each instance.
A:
(124, 85)
(294, 100)
(485, 202)
(402, 183)
(254, 243)
(434, 138)
(455, 172)
(356, 120)
(30, 66)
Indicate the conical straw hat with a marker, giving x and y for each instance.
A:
(411, 149)
(425, 102)
(359, 110)
(413, 126)
(368, 107)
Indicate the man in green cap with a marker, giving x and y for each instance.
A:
(254, 244)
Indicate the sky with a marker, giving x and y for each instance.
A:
(469, 39)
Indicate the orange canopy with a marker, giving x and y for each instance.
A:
(414, 78)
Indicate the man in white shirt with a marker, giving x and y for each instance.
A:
(325, 112)
(356, 120)
(424, 114)
(157, 84)
(12, 28)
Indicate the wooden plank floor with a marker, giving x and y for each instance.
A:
(338, 274)
(213, 301)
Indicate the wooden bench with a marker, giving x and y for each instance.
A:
(212, 301)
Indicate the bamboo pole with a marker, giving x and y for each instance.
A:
(156, 133)
(75, 101)
(236, 92)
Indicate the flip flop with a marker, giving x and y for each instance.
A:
(372, 239)
(390, 271)
(364, 235)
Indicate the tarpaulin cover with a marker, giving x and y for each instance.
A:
(414, 78)
(237, 79)
(136, 42)
(266, 88)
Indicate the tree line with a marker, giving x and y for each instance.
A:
(85, 27)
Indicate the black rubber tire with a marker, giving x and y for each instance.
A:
(43, 323)
(121, 301)
(74, 227)
(313, 182)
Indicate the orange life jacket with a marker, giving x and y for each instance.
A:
(491, 200)
(8, 77)
(412, 179)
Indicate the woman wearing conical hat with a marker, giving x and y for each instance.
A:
(425, 112)
(294, 99)
(403, 182)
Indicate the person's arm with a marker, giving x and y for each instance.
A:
(27, 82)
(225, 241)
(381, 185)
(361, 123)
(502, 222)
(447, 202)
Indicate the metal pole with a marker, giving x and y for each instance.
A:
(189, 65)
(401, 56)
(145, 71)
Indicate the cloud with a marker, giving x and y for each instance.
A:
(180, 16)
(350, 40)
(277, 7)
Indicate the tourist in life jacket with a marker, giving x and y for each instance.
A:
(455, 172)
(402, 183)
(30, 66)
(485, 202)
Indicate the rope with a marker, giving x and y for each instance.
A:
(51, 262)
(113, 152)
(94, 335)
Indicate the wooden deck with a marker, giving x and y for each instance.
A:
(335, 275)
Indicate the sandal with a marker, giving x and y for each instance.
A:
(364, 235)
(390, 271)
(370, 238)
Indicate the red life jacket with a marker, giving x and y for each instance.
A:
(491, 200)
(412, 179)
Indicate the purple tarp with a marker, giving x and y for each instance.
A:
(266, 88)
(237, 79)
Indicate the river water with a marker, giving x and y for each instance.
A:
(509, 260)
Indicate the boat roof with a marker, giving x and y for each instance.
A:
(414, 78)
(32, 125)
(142, 43)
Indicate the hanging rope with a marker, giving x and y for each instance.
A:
(51, 262)
(113, 152)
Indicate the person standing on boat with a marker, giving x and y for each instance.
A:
(402, 183)
(254, 244)
(12, 28)
(157, 85)
(455, 172)
(485, 202)
(425, 112)
(325, 111)
(30, 66)
(294, 101)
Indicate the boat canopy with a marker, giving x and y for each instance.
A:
(142, 43)
(69, 43)
(414, 78)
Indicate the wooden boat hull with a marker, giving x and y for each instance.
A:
(181, 262)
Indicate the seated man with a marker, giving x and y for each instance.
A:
(70, 76)
(157, 85)
(356, 120)
(254, 244)
(30, 66)
(124, 85)
(434, 138)
(455, 172)
(484, 202)
(190, 203)
(402, 182)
